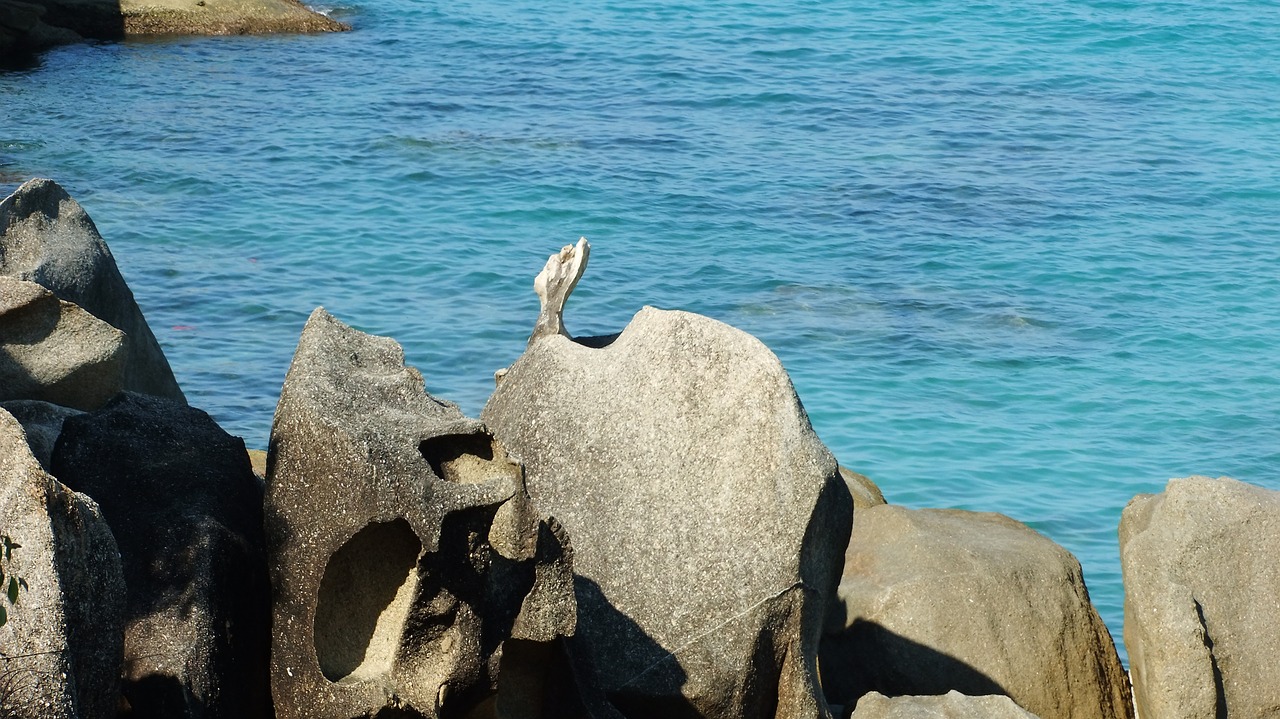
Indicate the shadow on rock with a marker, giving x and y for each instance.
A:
(868, 657)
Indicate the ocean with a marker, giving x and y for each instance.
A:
(1017, 257)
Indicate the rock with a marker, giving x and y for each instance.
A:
(62, 639)
(406, 558)
(46, 238)
(1201, 565)
(186, 511)
(707, 518)
(939, 600)
(223, 17)
(554, 285)
(42, 422)
(22, 29)
(53, 351)
(865, 492)
(952, 705)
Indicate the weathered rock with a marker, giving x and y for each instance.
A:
(707, 518)
(223, 17)
(46, 238)
(404, 551)
(865, 492)
(952, 705)
(52, 350)
(42, 422)
(939, 600)
(29, 25)
(1201, 564)
(186, 511)
(61, 643)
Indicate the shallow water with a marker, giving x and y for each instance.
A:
(1017, 257)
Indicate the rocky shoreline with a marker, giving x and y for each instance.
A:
(638, 525)
(28, 26)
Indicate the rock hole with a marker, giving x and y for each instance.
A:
(365, 596)
(466, 458)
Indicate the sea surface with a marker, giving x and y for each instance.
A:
(1021, 257)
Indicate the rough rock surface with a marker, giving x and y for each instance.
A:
(952, 705)
(406, 559)
(1201, 564)
(936, 600)
(186, 511)
(222, 17)
(31, 25)
(61, 644)
(51, 350)
(46, 238)
(42, 422)
(707, 518)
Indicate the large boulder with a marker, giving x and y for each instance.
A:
(61, 641)
(51, 350)
(707, 518)
(952, 705)
(46, 238)
(407, 564)
(1201, 565)
(42, 421)
(940, 600)
(186, 510)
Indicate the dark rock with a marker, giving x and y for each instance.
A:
(1201, 564)
(952, 705)
(405, 554)
(707, 518)
(42, 422)
(186, 511)
(940, 600)
(61, 642)
(54, 351)
(46, 238)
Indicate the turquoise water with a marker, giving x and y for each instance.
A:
(1018, 257)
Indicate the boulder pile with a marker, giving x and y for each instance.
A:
(638, 525)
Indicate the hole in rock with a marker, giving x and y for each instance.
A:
(466, 458)
(365, 596)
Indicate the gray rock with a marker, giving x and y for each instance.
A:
(51, 350)
(952, 705)
(406, 558)
(1201, 564)
(186, 510)
(62, 639)
(707, 518)
(940, 600)
(46, 238)
(42, 422)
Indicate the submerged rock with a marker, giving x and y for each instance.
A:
(46, 238)
(54, 351)
(62, 639)
(707, 518)
(407, 562)
(1201, 564)
(186, 511)
(941, 600)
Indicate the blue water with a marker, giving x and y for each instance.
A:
(1018, 257)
